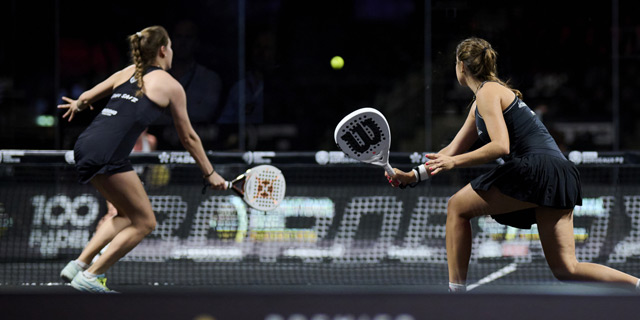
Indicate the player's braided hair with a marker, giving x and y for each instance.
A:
(481, 60)
(144, 48)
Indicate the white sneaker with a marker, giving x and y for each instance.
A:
(70, 271)
(93, 285)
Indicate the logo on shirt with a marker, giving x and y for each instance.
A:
(125, 97)
(109, 112)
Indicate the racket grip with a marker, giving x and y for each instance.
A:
(237, 191)
(389, 170)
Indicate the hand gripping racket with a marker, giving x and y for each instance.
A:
(364, 135)
(262, 187)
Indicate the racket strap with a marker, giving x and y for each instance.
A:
(205, 185)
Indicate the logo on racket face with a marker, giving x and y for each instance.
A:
(361, 134)
(265, 188)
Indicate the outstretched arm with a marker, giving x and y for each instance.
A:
(101, 90)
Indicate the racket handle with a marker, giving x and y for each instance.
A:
(389, 170)
(231, 187)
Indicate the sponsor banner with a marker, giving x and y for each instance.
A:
(593, 157)
(322, 157)
(39, 221)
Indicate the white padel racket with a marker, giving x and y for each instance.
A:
(364, 135)
(262, 187)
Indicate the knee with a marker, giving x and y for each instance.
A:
(150, 226)
(452, 205)
(146, 226)
(454, 208)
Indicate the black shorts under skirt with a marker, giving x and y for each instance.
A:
(87, 172)
(545, 180)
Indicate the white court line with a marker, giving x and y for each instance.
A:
(496, 275)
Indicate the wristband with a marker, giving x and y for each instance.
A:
(209, 175)
(421, 173)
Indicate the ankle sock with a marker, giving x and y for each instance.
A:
(457, 287)
(81, 264)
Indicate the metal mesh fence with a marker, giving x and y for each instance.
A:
(340, 224)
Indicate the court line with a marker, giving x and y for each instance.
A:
(494, 276)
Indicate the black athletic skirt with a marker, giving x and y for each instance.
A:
(87, 171)
(543, 179)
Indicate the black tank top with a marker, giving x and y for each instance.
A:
(112, 134)
(526, 133)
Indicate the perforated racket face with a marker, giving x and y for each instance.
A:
(364, 135)
(264, 188)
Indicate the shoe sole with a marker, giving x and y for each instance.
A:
(84, 289)
(66, 277)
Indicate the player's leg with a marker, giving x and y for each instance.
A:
(462, 207)
(112, 222)
(108, 228)
(557, 237)
(125, 191)
(112, 211)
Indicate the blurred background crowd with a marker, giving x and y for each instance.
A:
(577, 65)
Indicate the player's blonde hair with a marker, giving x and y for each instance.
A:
(144, 49)
(480, 59)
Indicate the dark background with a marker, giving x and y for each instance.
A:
(576, 65)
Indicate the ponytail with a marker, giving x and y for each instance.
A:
(144, 49)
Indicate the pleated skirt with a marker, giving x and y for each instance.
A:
(543, 179)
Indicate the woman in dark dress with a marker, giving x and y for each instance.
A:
(536, 183)
(139, 94)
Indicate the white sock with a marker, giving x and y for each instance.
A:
(457, 287)
(638, 285)
(81, 264)
(89, 275)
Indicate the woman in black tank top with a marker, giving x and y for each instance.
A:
(139, 94)
(535, 184)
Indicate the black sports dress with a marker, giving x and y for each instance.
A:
(104, 147)
(534, 171)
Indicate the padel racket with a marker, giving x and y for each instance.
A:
(262, 187)
(364, 135)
